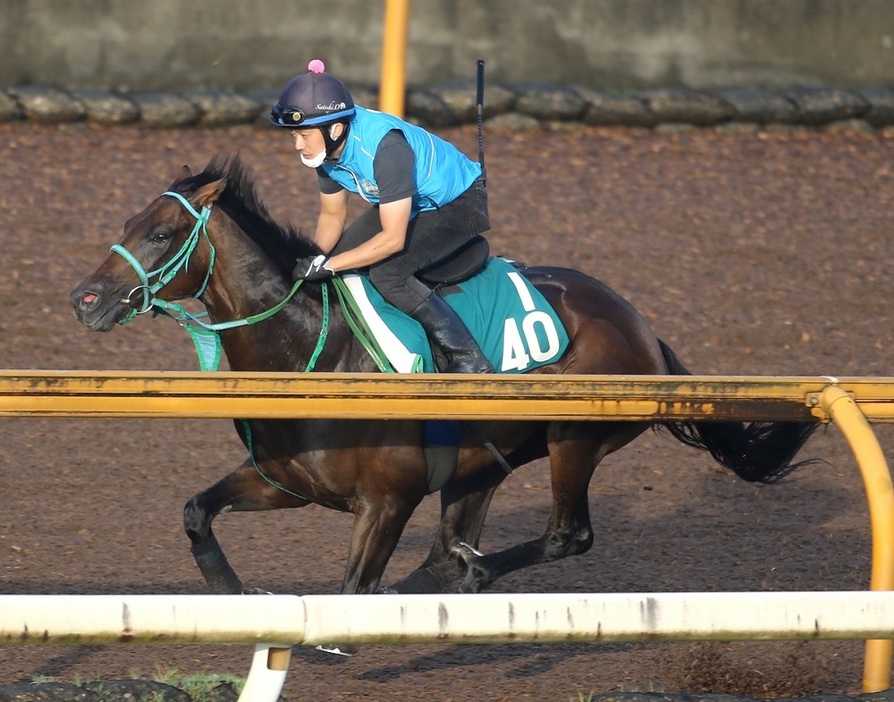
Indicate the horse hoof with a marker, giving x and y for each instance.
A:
(468, 547)
(474, 582)
(338, 650)
(255, 591)
(466, 555)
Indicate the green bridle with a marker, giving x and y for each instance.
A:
(180, 261)
(204, 334)
(166, 273)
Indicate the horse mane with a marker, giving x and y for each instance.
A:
(283, 244)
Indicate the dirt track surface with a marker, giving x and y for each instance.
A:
(762, 254)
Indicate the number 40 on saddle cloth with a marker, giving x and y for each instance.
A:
(510, 319)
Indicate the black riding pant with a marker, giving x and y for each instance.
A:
(432, 236)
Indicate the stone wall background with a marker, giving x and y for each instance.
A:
(613, 46)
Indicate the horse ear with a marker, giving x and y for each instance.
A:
(208, 193)
(185, 173)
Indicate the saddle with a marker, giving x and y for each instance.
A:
(459, 265)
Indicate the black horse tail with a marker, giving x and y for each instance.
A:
(759, 452)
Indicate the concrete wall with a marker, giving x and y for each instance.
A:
(621, 45)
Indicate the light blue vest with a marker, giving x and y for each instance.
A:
(443, 173)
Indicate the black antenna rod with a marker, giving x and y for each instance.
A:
(479, 103)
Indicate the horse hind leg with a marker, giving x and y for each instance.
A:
(575, 451)
(240, 491)
(563, 537)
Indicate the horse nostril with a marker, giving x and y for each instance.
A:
(88, 300)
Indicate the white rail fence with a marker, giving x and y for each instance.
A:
(274, 623)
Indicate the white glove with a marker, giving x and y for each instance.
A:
(312, 268)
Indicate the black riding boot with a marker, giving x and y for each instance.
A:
(451, 337)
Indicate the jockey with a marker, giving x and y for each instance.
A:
(427, 200)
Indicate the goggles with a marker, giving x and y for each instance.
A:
(286, 116)
(283, 116)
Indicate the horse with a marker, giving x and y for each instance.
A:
(210, 237)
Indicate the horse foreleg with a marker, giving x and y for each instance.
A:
(241, 491)
(464, 506)
(378, 525)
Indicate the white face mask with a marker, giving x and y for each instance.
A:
(314, 162)
(317, 160)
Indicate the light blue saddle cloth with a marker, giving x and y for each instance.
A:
(516, 328)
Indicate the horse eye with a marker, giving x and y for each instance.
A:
(160, 235)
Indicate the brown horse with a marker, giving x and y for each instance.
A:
(210, 238)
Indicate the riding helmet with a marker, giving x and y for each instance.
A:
(312, 99)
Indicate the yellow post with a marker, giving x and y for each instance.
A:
(278, 658)
(880, 495)
(392, 87)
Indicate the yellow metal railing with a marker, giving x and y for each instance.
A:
(844, 411)
(454, 396)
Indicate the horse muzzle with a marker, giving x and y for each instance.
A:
(98, 310)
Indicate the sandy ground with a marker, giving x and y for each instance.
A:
(760, 254)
